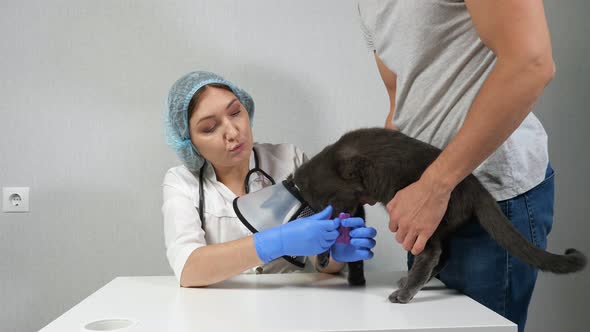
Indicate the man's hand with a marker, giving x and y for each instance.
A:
(416, 211)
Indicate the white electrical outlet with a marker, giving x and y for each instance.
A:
(15, 199)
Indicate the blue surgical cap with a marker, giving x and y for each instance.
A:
(176, 117)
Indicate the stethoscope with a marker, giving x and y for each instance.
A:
(246, 183)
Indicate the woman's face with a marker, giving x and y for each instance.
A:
(220, 128)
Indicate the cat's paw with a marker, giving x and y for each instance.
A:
(402, 282)
(401, 296)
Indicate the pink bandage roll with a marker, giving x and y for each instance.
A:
(344, 237)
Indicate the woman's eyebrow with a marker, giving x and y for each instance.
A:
(231, 102)
(205, 118)
(212, 116)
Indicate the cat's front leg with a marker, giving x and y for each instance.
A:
(356, 274)
(356, 270)
(418, 275)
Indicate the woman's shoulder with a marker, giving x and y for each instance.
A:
(280, 151)
(281, 158)
(180, 176)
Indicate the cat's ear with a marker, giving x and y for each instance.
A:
(350, 163)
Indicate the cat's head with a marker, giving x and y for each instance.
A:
(334, 177)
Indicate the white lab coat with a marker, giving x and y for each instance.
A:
(184, 231)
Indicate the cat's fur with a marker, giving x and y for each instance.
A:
(371, 165)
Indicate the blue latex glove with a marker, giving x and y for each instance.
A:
(361, 242)
(302, 237)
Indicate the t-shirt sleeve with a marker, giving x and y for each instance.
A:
(368, 32)
(183, 232)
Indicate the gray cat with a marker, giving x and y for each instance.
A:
(371, 165)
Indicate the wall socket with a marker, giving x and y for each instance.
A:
(15, 199)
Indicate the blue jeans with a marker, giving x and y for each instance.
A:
(478, 267)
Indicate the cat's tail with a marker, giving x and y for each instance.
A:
(492, 219)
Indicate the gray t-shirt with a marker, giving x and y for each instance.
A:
(441, 64)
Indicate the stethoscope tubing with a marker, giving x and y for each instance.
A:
(246, 183)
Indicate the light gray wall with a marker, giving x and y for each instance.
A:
(83, 88)
(560, 303)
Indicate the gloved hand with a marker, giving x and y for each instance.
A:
(361, 242)
(302, 237)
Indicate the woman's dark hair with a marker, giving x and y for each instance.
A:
(192, 106)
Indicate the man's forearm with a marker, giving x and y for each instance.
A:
(505, 99)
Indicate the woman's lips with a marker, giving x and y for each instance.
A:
(237, 148)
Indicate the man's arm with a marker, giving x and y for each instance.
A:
(516, 31)
(390, 80)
